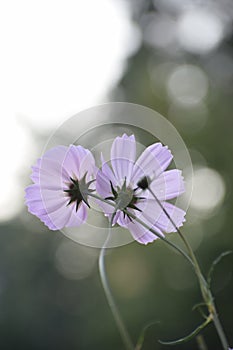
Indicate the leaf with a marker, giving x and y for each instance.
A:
(214, 263)
(142, 335)
(199, 308)
(190, 336)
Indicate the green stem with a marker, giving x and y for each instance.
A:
(202, 281)
(113, 307)
(205, 290)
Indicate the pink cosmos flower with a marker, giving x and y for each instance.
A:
(126, 184)
(61, 179)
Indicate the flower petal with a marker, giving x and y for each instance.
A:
(103, 185)
(42, 203)
(108, 171)
(142, 234)
(46, 198)
(152, 162)
(175, 213)
(123, 153)
(79, 217)
(41, 200)
(169, 185)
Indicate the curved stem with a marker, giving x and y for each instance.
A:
(205, 290)
(116, 314)
(188, 246)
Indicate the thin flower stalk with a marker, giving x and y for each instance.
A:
(111, 302)
(206, 293)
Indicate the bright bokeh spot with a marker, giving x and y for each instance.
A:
(159, 31)
(187, 84)
(57, 58)
(74, 261)
(15, 142)
(65, 56)
(199, 31)
(208, 190)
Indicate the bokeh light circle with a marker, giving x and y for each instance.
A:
(209, 191)
(95, 128)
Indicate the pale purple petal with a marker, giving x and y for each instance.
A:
(103, 186)
(108, 171)
(52, 209)
(152, 162)
(166, 185)
(175, 213)
(116, 217)
(43, 200)
(72, 160)
(142, 234)
(87, 164)
(46, 198)
(59, 217)
(79, 217)
(123, 220)
(123, 153)
(169, 185)
(64, 217)
(149, 216)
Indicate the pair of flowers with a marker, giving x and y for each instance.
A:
(65, 177)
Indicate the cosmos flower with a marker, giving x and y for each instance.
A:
(126, 184)
(61, 179)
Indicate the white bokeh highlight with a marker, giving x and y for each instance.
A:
(57, 58)
(199, 31)
(208, 191)
(187, 84)
(74, 261)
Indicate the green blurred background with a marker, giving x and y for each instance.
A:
(175, 57)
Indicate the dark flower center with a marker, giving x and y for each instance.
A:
(78, 191)
(124, 198)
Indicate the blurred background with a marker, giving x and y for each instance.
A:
(58, 58)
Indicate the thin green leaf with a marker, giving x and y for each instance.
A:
(215, 262)
(188, 337)
(199, 308)
(142, 335)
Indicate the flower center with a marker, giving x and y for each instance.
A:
(124, 198)
(78, 191)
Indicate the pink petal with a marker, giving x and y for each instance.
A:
(123, 153)
(169, 185)
(152, 162)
